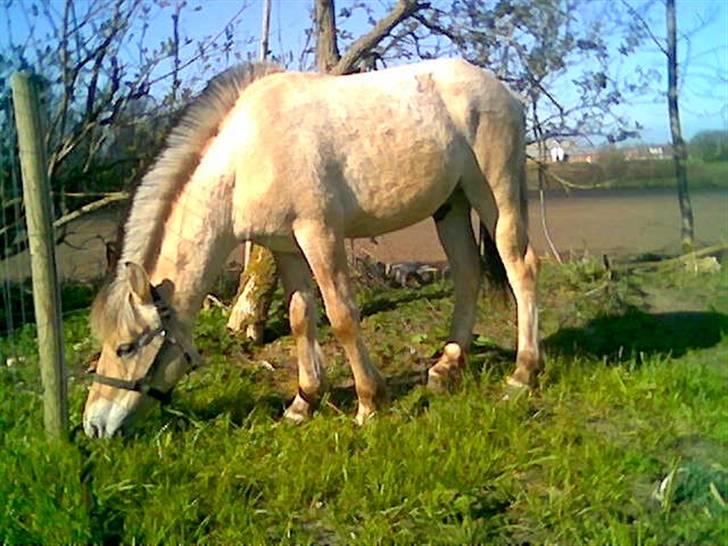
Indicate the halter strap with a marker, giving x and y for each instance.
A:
(143, 384)
(138, 385)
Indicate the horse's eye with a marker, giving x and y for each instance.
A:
(125, 349)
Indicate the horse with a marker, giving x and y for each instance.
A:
(298, 162)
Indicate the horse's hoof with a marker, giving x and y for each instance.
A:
(440, 382)
(299, 411)
(364, 413)
(515, 389)
(445, 374)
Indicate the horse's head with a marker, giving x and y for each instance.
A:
(145, 350)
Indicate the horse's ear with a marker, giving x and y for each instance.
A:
(138, 282)
(112, 256)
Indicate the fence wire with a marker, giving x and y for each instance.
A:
(15, 293)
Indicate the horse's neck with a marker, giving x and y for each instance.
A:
(196, 240)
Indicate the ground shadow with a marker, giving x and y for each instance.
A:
(636, 334)
(277, 325)
(238, 404)
(343, 395)
(401, 383)
(390, 302)
(617, 338)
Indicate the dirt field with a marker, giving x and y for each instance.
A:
(614, 223)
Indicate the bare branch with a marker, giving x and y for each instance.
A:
(70, 217)
(203, 49)
(437, 28)
(369, 41)
(91, 207)
(645, 26)
(541, 182)
(175, 53)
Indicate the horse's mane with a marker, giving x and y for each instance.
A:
(153, 198)
(181, 154)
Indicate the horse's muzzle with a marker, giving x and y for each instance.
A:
(105, 419)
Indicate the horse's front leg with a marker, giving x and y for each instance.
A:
(301, 300)
(325, 252)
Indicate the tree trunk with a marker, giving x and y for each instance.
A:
(265, 31)
(255, 292)
(679, 151)
(327, 51)
(259, 277)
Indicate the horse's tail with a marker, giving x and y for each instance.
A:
(494, 270)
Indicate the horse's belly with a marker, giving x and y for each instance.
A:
(387, 189)
(393, 208)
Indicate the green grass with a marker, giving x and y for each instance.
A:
(634, 396)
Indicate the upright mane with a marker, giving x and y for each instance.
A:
(181, 155)
(152, 201)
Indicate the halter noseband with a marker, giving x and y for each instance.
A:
(143, 385)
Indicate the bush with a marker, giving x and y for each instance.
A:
(710, 146)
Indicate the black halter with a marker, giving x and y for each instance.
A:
(143, 384)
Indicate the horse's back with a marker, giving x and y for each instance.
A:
(379, 150)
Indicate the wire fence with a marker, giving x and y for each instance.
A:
(16, 300)
(18, 333)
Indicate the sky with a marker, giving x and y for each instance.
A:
(703, 100)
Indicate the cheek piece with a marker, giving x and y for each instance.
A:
(143, 384)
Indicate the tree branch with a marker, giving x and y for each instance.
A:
(645, 26)
(541, 179)
(366, 43)
(202, 50)
(91, 207)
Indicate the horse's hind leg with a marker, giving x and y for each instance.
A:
(507, 222)
(301, 299)
(521, 265)
(455, 231)
(325, 252)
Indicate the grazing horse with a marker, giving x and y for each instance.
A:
(298, 162)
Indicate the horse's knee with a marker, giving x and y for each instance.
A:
(299, 312)
(532, 261)
(344, 321)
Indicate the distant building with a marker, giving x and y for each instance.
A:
(572, 152)
(557, 153)
(583, 156)
(647, 151)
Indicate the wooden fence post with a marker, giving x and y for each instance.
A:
(38, 213)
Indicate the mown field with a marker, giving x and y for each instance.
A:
(614, 172)
(626, 442)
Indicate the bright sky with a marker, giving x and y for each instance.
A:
(704, 97)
